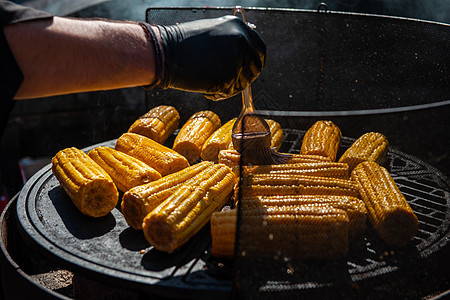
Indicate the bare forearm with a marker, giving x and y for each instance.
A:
(61, 55)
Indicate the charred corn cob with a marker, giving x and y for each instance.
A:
(294, 232)
(388, 211)
(89, 187)
(141, 200)
(321, 169)
(219, 140)
(354, 207)
(282, 184)
(162, 159)
(157, 124)
(194, 133)
(323, 138)
(184, 213)
(371, 146)
(232, 158)
(125, 171)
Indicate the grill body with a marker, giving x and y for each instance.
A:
(363, 72)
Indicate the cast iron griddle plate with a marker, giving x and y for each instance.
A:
(108, 248)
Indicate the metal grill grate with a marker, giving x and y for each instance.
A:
(425, 188)
(427, 191)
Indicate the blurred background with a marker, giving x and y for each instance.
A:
(434, 10)
(38, 128)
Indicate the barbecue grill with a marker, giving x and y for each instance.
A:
(363, 72)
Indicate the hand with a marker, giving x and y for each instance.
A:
(218, 57)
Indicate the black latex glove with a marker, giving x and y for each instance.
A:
(218, 57)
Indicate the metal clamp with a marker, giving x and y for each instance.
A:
(322, 8)
(240, 9)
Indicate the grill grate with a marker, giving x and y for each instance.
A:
(427, 191)
(425, 188)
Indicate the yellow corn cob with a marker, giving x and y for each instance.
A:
(276, 133)
(323, 138)
(354, 207)
(371, 146)
(388, 211)
(321, 169)
(294, 232)
(282, 184)
(141, 200)
(125, 171)
(89, 187)
(301, 158)
(162, 159)
(194, 133)
(223, 233)
(182, 215)
(232, 158)
(219, 140)
(157, 124)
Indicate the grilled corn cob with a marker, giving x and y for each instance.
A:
(157, 124)
(388, 211)
(276, 133)
(185, 212)
(232, 158)
(371, 146)
(89, 187)
(300, 158)
(141, 200)
(323, 138)
(125, 171)
(194, 133)
(282, 184)
(223, 233)
(293, 232)
(354, 207)
(162, 159)
(219, 140)
(321, 169)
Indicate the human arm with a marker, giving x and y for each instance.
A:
(64, 55)
(218, 57)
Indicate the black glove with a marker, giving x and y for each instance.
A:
(218, 57)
